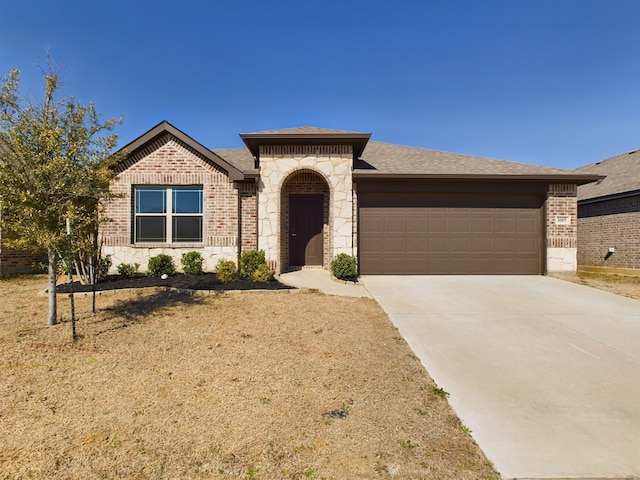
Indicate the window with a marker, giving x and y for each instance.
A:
(168, 214)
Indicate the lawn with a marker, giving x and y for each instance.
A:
(265, 385)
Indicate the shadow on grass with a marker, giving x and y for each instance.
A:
(136, 310)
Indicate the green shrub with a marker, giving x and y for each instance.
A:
(263, 274)
(192, 263)
(128, 270)
(161, 265)
(103, 267)
(344, 267)
(226, 271)
(250, 261)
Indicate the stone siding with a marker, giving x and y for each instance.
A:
(169, 162)
(611, 223)
(332, 164)
(561, 228)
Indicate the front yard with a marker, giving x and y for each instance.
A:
(271, 385)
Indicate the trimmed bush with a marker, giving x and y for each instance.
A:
(161, 265)
(263, 274)
(226, 271)
(128, 270)
(344, 267)
(250, 261)
(104, 266)
(192, 263)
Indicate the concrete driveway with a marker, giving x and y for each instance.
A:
(545, 373)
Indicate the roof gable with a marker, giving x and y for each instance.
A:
(622, 176)
(165, 128)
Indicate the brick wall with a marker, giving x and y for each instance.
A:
(611, 223)
(167, 162)
(561, 227)
(18, 261)
(248, 215)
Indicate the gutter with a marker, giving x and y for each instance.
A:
(559, 178)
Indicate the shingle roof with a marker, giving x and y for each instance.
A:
(240, 157)
(385, 158)
(623, 175)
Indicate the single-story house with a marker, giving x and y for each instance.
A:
(609, 216)
(304, 195)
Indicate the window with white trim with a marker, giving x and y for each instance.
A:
(168, 214)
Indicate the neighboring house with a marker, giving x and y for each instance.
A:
(19, 261)
(609, 216)
(304, 195)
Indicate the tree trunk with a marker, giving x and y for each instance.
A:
(52, 318)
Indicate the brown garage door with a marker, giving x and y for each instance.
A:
(458, 234)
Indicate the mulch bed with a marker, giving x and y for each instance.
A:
(206, 281)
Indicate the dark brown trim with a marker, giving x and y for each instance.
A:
(165, 127)
(358, 141)
(568, 178)
(606, 198)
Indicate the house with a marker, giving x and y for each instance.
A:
(304, 195)
(609, 216)
(14, 261)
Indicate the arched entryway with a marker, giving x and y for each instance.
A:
(305, 222)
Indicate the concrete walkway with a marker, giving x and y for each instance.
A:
(317, 279)
(546, 373)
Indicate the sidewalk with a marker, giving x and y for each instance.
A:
(321, 281)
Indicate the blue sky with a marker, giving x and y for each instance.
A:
(548, 82)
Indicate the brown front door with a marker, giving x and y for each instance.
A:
(305, 229)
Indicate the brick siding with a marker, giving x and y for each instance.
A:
(562, 204)
(170, 162)
(610, 223)
(18, 261)
(248, 215)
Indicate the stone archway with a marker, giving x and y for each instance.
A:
(305, 221)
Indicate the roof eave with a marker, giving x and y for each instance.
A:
(569, 178)
(357, 140)
(612, 196)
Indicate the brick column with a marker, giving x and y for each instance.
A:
(562, 220)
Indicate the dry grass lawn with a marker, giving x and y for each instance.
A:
(618, 284)
(257, 386)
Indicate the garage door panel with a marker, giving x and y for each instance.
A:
(394, 245)
(482, 245)
(526, 225)
(482, 224)
(416, 245)
(416, 223)
(460, 246)
(438, 245)
(394, 224)
(438, 224)
(450, 235)
(505, 245)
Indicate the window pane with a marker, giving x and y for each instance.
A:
(187, 229)
(187, 200)
(151, 229)
(150, 200)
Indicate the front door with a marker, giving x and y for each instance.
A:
(306, 214)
